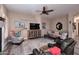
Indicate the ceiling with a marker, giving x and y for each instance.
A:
(59, 9)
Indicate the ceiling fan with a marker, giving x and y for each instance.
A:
(44, 11)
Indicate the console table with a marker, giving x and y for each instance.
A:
(34, 34)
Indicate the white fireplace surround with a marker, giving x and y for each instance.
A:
(3, 30)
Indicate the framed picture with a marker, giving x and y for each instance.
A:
(19, 24)
(59, 26)
(44, 25)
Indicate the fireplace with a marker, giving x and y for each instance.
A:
(0, 39)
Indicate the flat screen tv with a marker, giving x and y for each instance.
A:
(34, 26)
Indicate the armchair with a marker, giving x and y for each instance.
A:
(15, 39)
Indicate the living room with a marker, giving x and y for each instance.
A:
(20, 20)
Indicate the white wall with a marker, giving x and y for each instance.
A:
(28, 19)
(63, 20)
(71, 17)
(77, 26)
(47, 21)
(67, 23)
(76, 20)
(70, 27)
(0, 10)
(13, 17)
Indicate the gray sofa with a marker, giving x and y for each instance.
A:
(67, 47)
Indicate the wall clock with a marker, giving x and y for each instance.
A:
(59, 26)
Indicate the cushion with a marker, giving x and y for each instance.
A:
(16, 39)
(63, 36)
(55, 51)
(18, 34)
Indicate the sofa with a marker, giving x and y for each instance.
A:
(66, 46)
(57, 35)
(15, 39)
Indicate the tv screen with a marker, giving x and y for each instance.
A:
(34, 26)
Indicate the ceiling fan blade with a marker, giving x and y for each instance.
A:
(50, 10)
(47, 13)
(44, 13)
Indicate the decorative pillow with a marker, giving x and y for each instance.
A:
(49, 32)
(63, 36)
(55, 51)
(18, 34)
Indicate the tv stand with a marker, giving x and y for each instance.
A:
(34, 34)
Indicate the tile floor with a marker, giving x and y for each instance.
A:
(27, 46)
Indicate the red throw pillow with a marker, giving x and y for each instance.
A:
(55, 51)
